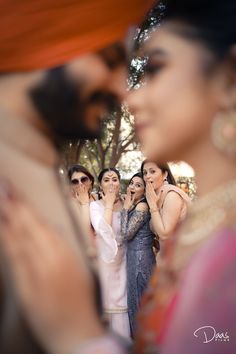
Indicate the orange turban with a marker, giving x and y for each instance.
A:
(38, 34)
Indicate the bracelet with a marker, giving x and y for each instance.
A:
(84, 203)
(108, 208)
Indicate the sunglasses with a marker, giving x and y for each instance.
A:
(82, 180)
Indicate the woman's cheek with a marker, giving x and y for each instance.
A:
(104, 188)
(140, 193)
(117, 187)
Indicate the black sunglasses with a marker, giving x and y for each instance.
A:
(82, 180)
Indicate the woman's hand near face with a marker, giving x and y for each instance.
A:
(109, 199)
(52, 282)
(73, 190)
(129, 200)
(82, 194)
(151, 196)
(110, 196)
(163, 224)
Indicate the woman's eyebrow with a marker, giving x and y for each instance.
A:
(151, 52)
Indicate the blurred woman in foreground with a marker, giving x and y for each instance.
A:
(187, 111)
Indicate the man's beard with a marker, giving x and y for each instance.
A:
(59, 103)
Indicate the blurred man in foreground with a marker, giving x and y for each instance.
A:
(63, 67)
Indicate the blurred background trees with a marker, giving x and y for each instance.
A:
(117, 139)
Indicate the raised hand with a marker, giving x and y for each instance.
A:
(82, 194)
(129, 200)
(151, 196)
(110, 196)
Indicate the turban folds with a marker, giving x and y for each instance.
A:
(36, 34)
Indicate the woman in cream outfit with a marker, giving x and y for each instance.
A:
(105, 219)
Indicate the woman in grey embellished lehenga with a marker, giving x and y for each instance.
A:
(135, 231)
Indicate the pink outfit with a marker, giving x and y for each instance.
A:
(206, 298)
(166, 188)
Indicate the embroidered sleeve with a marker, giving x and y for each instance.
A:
(130, 226)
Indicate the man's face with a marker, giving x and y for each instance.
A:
(73, 99)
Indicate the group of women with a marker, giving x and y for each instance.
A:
(128, 231)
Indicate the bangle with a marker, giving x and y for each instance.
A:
(108, 208)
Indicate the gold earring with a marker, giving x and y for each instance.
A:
(224, 133)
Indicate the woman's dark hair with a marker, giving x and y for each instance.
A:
(165, 168)
(101, 174)
(211, 22)
(138, 174)
(80, 168)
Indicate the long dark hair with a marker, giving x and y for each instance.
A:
(211, 22)
(138, 174)
(164, 168)
(143, 200)
(79, 168)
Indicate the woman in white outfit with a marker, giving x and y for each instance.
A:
(105, 219)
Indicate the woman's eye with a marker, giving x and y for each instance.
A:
(152, 69)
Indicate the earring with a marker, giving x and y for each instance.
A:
(224, 133)
(166, 180)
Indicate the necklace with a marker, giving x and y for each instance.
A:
(206, 216)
